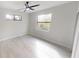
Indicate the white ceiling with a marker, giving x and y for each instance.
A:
(15, 5)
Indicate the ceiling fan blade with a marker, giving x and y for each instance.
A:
(31, 8)
(34, 5)
(26, 4)
(25, 10)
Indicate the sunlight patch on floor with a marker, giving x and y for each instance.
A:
(44, 49)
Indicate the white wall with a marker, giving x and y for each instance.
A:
(9, 28)
(62, 27)
(75, 51)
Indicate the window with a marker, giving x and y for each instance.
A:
(9, 17)
(44, 21)
(14, 17)
(17, 18)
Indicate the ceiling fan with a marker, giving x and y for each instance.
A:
(28, 7)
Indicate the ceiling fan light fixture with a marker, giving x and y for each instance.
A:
(27, 9)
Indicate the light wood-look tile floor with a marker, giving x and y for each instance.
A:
(30, 47)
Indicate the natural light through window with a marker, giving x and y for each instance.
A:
(17, 17)
(10, 17)
(44, 21)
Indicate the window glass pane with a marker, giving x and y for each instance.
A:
(43, 18)
(10, 17)
(44, 21)
(18, 18)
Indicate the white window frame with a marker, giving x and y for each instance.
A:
(40, 29)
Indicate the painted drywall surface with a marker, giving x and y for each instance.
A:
(10, 28)
(62, 26)
(75, 51)
(76, 48)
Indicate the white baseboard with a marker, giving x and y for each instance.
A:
(55, 42)
(12, 36)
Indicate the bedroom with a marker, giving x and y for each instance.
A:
(38, 32)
